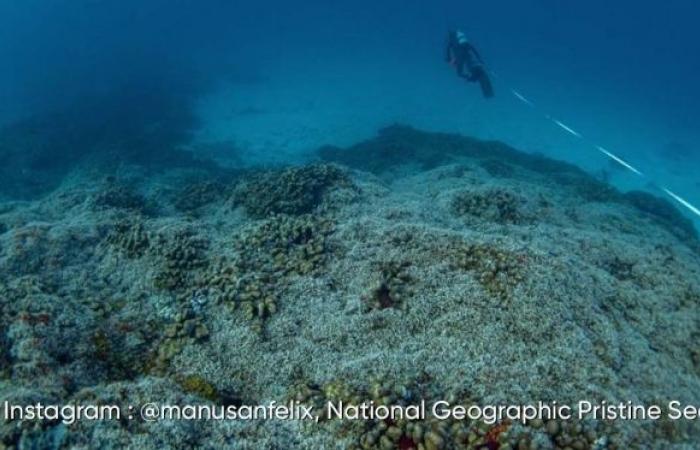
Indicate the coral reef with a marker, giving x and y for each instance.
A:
(114, 359)
(664, 212)
(498, 271)
(119, 196)
(392, 289)
(619, 268)
(5, 363)
(495, 205)
(431, 433)
(587, 188)
(285, 245)
(294, 191)
(269, 253)
(186, 329)
(400, 145)
(497, 168)
(196, 195)
(130, 237)
(459, 270)
(196, 385)
(182, 253)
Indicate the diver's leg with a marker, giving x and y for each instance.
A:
(475, 72)
(461, 70)
(480, 75)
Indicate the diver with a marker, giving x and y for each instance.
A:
(462, 55)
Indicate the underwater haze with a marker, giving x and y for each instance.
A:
(234, 207)
(621, 74)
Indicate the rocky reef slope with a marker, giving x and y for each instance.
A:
(411, 266)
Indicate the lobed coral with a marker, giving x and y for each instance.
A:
(116, 360)
(197, 385)
(119, 196)
(181, 253)
(619, 268)
(285, 245)
(293, 191)
(187, 328)
(431, 433)
(27, 250)
(399, 145)
(586, 187)
(196, 195)
(5, 363)
(495, 205)
(392, 288)
(255, 303)
(498, 168)
(498, 271)
(665, 213)
(132, 238)
(268, 255)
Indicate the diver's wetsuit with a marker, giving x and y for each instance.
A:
(468, 63)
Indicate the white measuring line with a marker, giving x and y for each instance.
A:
(606, 152)
(682, 201)
(565, 128)
(522, 98)
(619, 160)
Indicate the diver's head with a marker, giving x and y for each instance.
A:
(461, 37)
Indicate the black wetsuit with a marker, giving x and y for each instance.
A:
(468, 63)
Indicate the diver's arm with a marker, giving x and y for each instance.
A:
(448, 51)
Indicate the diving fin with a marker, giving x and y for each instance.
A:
(485, 82)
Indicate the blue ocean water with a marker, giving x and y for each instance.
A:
(623, 74)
